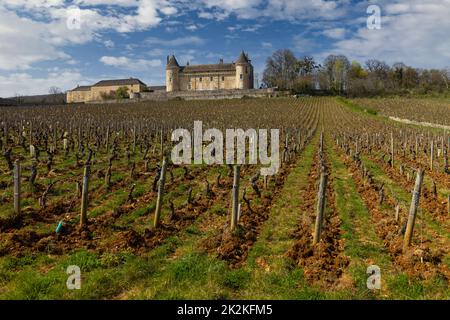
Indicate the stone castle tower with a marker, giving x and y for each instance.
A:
(172, 74)
(221, 76)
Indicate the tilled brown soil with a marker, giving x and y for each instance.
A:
(436, 174)
(323, 264)
(431, 203)
(420, 260)
(234, 247)
(54, 210)
(100, 230)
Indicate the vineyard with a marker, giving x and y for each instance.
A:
(93, 186)
(432, 111)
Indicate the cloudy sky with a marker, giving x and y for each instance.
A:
(45, 43)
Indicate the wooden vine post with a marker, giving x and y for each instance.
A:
(134, 139)
(446, 170)
(448, 204)
(320, 207)
(413, 209)
(108, 177)
(432, 155)
(17, 174)
(321, 142)
(162, 181)
(162, 143)
(392, 150)
(107, 140)
(55, 138)
(397, 212)
(417, 147)
(235, 197)
(85, 196)
(265, 179)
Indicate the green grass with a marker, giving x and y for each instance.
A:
(356, 107)
(282, 279)
(404, 196)
(362, 244)
(181, 269)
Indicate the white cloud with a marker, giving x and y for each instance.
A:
(24, 42)
(191, 40)
(109, 44)
(169, 10)
(276, 9)
(304, 45)
(33, 4)
(191, 27)
(121, 3)
(130, 63)
(415, 33)
(40, 36)
(244, 28)
(253, 28)
(293, 10)
(336, 33)
(231, 5)
(156, 52)
(171, 29)
(26, 84)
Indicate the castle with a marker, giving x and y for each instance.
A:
(104, 88)
(180, 80)
(221, 76)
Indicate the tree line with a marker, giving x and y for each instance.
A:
(338, 76)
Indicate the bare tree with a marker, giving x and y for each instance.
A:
(54, 90)
(336, 69)
(379, 69)
(281, 70)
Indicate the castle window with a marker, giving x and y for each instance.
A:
(200, 79)
(223, 78)
(246, 70)
(242, 77)
(212, 78)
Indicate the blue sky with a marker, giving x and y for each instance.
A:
(46, 43)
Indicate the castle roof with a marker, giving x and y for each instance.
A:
(200, 68)
(220, 67)
(157, 88)
(172, 62)
(82, 88)
(118, 82)
(243, 58)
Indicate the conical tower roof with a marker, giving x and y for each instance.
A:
(172, 62)
(242, 58)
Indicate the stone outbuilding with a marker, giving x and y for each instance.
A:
(105, 88)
